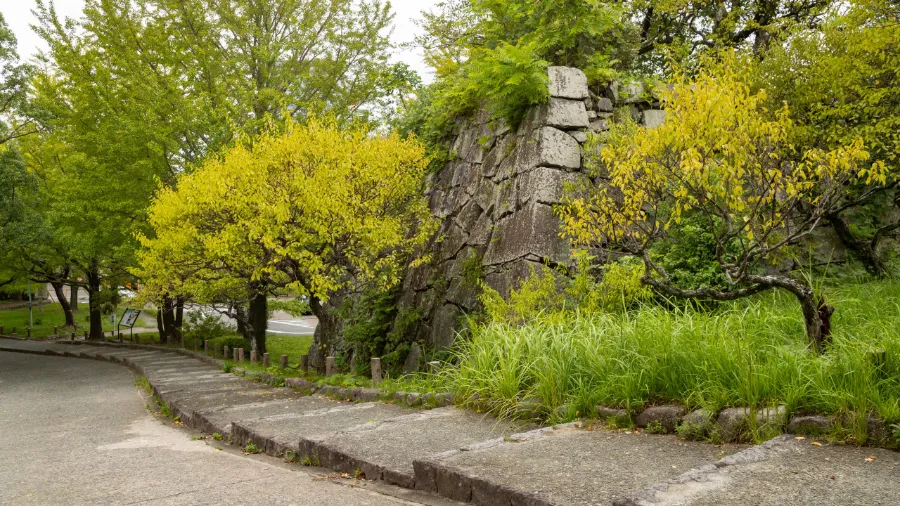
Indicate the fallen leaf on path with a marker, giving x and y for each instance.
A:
(870, 458)
(799, 438)
(816, 443)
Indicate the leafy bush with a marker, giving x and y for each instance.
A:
(294, 307)
(201, 326)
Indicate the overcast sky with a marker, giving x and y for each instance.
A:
(18, 16)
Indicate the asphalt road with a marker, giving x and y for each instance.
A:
(78, 432)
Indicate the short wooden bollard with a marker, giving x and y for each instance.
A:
(28, 332)
(85, 335)
(235, 353)
(266, 363)
(329, 366)
(1, 331)
(254, 358)
(225, 352)
(55, 331)
(14, 331)
(284, 361)
(196, 345)
(215, 349)
(72, 338)
(135, 339)
(121, 337)
(304, 363)
(240, 354)
(376, 371)
(206, 346)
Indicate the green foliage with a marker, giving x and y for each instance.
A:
(294, 307)
(201, 326)
(746, 353)
(251, 448)
(217, 436)
(375, 326)
(550, 296)
(688, 254)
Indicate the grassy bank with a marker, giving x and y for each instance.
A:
(747, 353)
(51, 315)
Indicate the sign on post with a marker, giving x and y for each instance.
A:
(129, 317)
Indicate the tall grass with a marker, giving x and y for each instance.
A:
(748, 353)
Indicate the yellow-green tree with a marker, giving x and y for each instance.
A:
(723, 156)
(312, 208)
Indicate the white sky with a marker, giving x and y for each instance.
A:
(18, 16)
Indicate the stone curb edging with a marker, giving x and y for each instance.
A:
(732, 423)
(433, 475)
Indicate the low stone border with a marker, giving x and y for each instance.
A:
(732, 424)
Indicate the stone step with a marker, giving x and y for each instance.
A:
(387, 449)
(784, 470)
(315, 419)
(566, 465)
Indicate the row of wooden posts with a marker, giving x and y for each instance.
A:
(237, 354)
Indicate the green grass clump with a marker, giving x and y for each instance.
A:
(751, 352)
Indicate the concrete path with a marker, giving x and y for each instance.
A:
(78, 432)
(468, 457)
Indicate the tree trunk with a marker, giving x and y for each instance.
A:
(96, 317)
(160, 325)
(259, 316)
(179, 312)
(240, 316)
(323, 337)
(173, 333)
(73, 301)
(61, 296)
(864, 251)
(816, 314)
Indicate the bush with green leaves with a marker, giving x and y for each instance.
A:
(201, 326)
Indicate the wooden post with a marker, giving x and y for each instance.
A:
(266, 363)
(253, 357)
(134, 338)
(304, 363)
(225, 352)
(72, 338)
(376, 371)
(216, 350)
(235, 353)
(240, 354)
(55, 331)
(284, 361)
(329, 366)
(206, 346)
(14, 331)
(1, 330)
(27, 332)
(85, 335)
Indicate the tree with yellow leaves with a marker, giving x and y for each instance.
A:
(312, 208)
(722, 156)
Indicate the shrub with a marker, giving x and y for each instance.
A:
(201, 326)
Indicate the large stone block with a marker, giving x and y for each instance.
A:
(549, 147)
(505, 199)
(453, 242)
(627, 93)
(492, 160)
(445, 325)
(562, 113)
(567, 82)
(654, 118)
(533, 230)
(510, 276)
(544, 185)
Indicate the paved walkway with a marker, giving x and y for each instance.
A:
(77, 432)
(469, 457)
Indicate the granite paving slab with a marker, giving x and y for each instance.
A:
(563, 466)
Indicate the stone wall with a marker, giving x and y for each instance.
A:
(495, 198)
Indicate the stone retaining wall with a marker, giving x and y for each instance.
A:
(495, 198)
